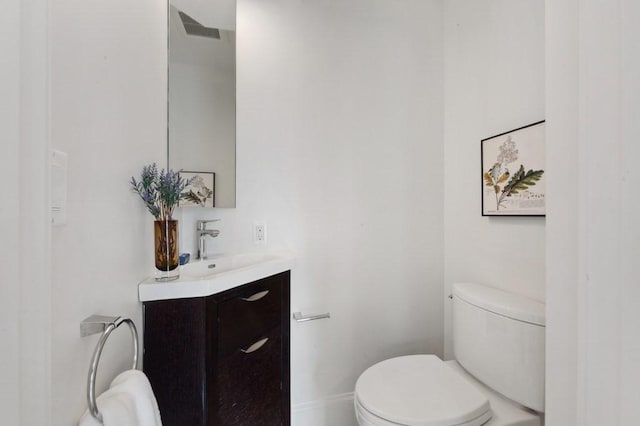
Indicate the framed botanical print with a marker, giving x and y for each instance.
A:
(513, 166)
(201, 191)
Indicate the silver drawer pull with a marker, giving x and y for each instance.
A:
(256, 296)
(257, 345)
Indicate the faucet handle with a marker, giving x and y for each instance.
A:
(202, 224)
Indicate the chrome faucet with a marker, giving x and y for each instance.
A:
(203, 232)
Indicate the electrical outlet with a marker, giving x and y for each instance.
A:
(260, 233)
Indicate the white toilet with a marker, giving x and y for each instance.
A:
(497, 378)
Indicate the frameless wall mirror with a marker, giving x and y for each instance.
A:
(202, 94)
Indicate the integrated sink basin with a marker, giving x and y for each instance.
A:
(218, 273)
(203, 269)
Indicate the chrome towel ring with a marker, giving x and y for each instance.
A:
(96, 324)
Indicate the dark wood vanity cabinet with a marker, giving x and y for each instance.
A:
(223, 359)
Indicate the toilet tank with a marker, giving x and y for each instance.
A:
(498, 337)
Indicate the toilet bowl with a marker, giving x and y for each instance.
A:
(418, 390)
(457, 403)
(497, 380)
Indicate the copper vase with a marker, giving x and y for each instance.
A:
(166, 249)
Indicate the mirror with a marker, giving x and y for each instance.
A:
(202, 95)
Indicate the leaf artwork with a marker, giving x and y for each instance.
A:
(199, 197)
(504, 157)
(520, 181)
(193, 198)
(198, 193)
(495, 176)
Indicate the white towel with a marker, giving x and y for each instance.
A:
(129, 401)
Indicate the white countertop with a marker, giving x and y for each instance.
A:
(218, 273)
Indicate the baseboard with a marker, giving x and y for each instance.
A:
(335, 410)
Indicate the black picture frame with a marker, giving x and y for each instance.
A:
(513, 172)
(205, 182)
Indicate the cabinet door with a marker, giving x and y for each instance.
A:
(249, 390)
(174, 358)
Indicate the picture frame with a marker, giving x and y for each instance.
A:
(201, 191)
(513, 172)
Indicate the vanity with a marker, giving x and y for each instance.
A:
(216, 344)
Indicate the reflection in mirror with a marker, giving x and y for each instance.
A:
(202, 92)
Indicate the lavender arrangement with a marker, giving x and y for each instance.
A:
(160, 191)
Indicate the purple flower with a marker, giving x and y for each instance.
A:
(160, 191)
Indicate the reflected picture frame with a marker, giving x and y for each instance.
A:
(201, 191)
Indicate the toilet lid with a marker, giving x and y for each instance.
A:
(419, 390)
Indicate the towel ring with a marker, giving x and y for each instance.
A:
(96, 324)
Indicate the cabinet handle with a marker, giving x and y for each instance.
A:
(257, 345)
(259, 295)
(302, 318)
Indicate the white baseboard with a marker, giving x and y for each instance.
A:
(335, 410)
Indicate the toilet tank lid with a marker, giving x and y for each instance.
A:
(501, 302)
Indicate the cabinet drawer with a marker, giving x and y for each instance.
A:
(250, 385)
(253, 310)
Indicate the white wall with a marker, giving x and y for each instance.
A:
(24, 286)
(563, 224)
(593, 352)
(493, 82)
(10, 164)
(340, 154)
(108, 97)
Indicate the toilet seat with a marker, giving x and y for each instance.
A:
(365, 418)
(418, 390)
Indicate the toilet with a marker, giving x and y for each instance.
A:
(496, 379)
